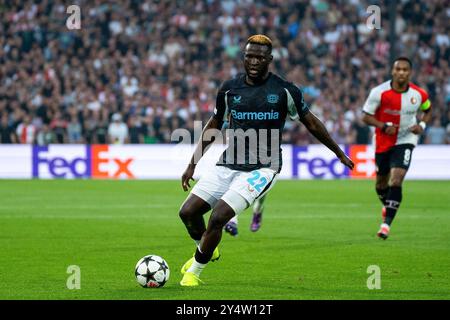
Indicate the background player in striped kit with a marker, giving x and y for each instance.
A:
(392, 109)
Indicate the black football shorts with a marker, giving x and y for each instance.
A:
(398, 156)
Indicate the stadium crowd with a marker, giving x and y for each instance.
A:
(137, 70)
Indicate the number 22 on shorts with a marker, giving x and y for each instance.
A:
(256, 181)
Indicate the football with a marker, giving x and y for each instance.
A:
(152, 271)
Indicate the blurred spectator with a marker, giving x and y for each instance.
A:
(102, 131)
(58, 125)
(117, 130)
(436, 134)
(7, 134)
(135, 131)
(362, 132)
(26, 131)
(45, 136)
(74, 132)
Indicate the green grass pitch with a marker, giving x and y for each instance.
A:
(316, 242)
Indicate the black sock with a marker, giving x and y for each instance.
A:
(382, 193)
(202, 257)
(393, 200)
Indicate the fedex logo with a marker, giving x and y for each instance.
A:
(364, 158)
(319, 163)
(95, 163)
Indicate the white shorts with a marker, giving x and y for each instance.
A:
(239, 189)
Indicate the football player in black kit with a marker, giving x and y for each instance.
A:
(256, 103)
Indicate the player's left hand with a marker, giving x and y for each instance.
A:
(416, 129)
(187, 177)
(346, 161)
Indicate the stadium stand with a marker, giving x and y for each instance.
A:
(156, 65)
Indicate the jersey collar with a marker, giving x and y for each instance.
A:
(406, 90)
(259, 83)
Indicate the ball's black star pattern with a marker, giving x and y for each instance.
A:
(150, 275)
(163, 266)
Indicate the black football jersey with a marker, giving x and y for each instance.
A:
(256, 116)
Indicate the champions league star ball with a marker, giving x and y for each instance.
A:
(152, 271)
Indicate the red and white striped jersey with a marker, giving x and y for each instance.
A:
(26, 133)
(400, 108)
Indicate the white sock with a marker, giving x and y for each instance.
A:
(234, 219)
(196, 267)
(258, 206)
(385, 225)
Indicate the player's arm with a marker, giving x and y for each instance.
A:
(318, 130)
(200, 150)
(214, 123)
(298, 109)
(387, 127)
(370, 106)
(424, 118)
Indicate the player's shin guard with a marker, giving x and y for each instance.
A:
(382, 193)
(392, 203)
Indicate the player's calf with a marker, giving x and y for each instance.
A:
(221, 214)
(383, 213)
(382, 193)
(393, 200)
(191, 213)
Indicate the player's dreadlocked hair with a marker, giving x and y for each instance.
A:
(260, 39)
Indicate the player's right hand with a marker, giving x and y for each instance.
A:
(346, 161)
(390, 131)
(187, 176)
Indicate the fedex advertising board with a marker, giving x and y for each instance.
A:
(317, 162)
(170, 160)
(116, 161)
(94, 161)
